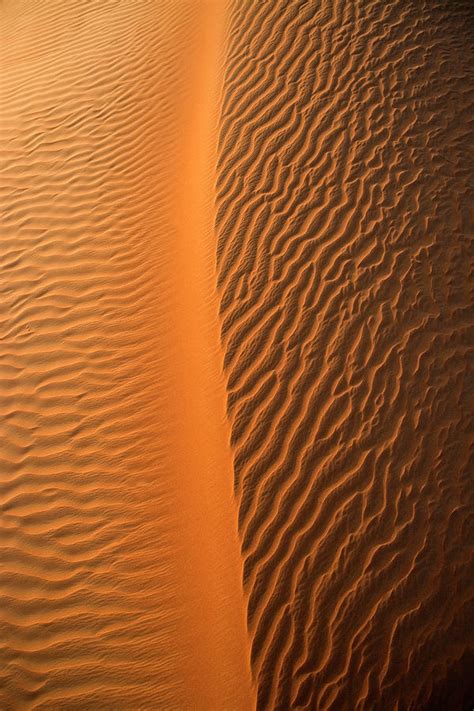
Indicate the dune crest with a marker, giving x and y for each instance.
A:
(236, 322)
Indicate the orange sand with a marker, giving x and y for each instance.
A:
(344, 242)
(122, 569)
(236, 317)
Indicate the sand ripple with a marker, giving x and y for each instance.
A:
(344, 212)
(88, 613)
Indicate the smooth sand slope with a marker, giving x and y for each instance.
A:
(345, 212)
(121, 574)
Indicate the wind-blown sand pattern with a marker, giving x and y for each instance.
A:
(264, 206)
(121, 581)
(344, 214)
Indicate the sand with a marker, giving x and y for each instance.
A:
(236, 324)
(345, 212)
(122, 575)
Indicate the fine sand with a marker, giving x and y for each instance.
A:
(122, 580)
(235, 325)
(345, 217)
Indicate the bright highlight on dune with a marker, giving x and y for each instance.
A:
(235, 335)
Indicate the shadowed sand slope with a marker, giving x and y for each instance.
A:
(344, 218)
(121, 580)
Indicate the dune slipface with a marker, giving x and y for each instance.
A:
(344, 220)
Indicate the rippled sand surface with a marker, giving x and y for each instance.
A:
(235, 330)
(345, 221)
(121, 570)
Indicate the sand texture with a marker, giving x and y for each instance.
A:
(236, 320)
(345, 210)
(121, 581)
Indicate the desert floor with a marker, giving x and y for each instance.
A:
(236, 323)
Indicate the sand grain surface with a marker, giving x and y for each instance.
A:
(121, 575)
(235, 329)
(344, 254)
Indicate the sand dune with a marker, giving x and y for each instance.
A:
(122, 577)
(344, 206)
(236, 321)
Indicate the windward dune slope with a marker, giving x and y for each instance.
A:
(344, 214)
(121, 575)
